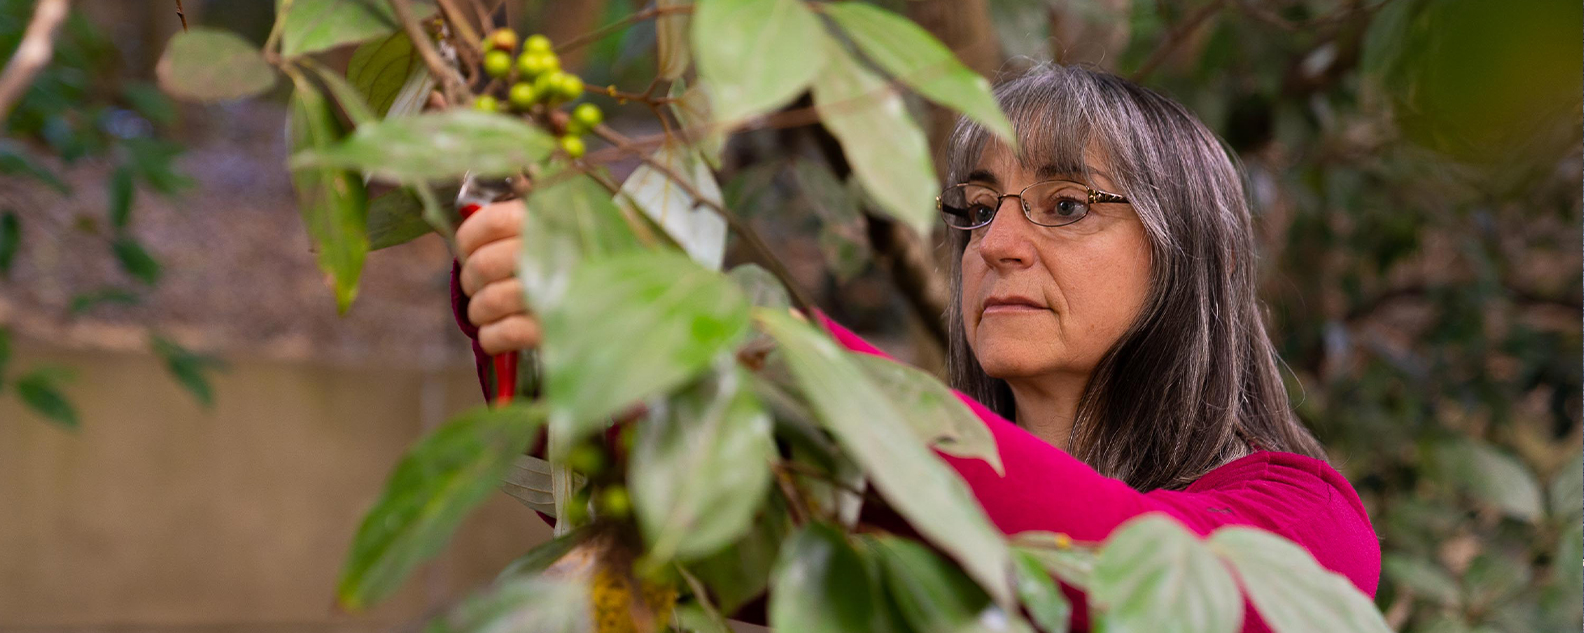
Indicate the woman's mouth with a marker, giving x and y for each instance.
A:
(1012, 305)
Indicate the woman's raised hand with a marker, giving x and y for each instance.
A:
(489, 239)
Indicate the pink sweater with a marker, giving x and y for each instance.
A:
(1297, 497)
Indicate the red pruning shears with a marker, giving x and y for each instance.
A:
(476, 193)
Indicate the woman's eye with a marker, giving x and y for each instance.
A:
(1069, 207)
(980, 213)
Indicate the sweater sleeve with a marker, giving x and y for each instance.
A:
(1047, 489)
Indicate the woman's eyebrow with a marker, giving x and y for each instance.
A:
(982, 175)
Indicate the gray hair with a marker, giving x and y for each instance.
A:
(1193, 382)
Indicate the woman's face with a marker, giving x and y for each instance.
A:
(1039, 300)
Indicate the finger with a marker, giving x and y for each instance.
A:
(494, 221)
(496, 301)
(492, 262)
(509, 334)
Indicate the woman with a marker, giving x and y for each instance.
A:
(1103, 324)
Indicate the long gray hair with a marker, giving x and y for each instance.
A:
(1193, 382)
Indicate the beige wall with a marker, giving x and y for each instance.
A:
(160, 516)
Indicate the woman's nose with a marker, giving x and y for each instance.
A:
(1006, 240)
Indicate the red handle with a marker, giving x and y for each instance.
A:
(505, 364)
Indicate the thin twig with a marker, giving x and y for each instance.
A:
(796, 505)
(181, 14)
(594, 35)
(466, 40)
(1175, 37)
(450, 84)
(38, 45)
(742, 229)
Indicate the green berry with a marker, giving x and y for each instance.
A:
(587, 459)
(570, 86)
(573, 146)
(615, 503)
(497, 63)
(545, 85)
(536, 44)
(486, 103)
(532, 64)
(522, 95)
(588, 115)
(504, 40)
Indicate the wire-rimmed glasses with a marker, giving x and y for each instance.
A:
(969, 206)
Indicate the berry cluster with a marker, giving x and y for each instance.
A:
(535, 79)
(603, 467)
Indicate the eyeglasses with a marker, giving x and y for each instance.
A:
(1048, 203)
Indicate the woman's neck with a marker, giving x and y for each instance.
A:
(1047, 405)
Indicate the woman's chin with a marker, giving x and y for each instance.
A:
(1004, 358)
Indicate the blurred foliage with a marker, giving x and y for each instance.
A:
(83, 107)
(1415, 167)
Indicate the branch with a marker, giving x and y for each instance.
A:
(742, 229)
(450, 84)
(181, 14)
(594, 35)
(1174, 37)
(38, 45)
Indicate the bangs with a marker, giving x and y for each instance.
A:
(1052, 127)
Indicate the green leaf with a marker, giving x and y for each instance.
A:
(381, 69)
(571, 217)
(671, 41)
(931, 593)
(436, 146)
(120, 197)
(208, 65)
(10, 240)
(1492, 477)
(937, 415)
(396, 218)
(738, 574)
(692, 109)
(632, 326)
(1074, 565)
(1424, 578)
(1040, 595)
(1567, 490)
(843, 234)
(147, 100)
(911, 54)
(87, 301)
(188, 368)
(1155, 575)
(887, 150)
(14, 160)
(541, 556)
(1291, 591)
(1493, 578)
(700, 230)
(760, 286)
(756, 55)
(820, 585)
(701, 467)
(135, 260)
(926, 492)
(315, 25)
(432, 489)
(40, 391)
(692, 617)
(352, 102)
(332, 202)
(533, 603)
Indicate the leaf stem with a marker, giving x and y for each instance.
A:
(35, 51)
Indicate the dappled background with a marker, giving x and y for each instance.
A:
(189, 432)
